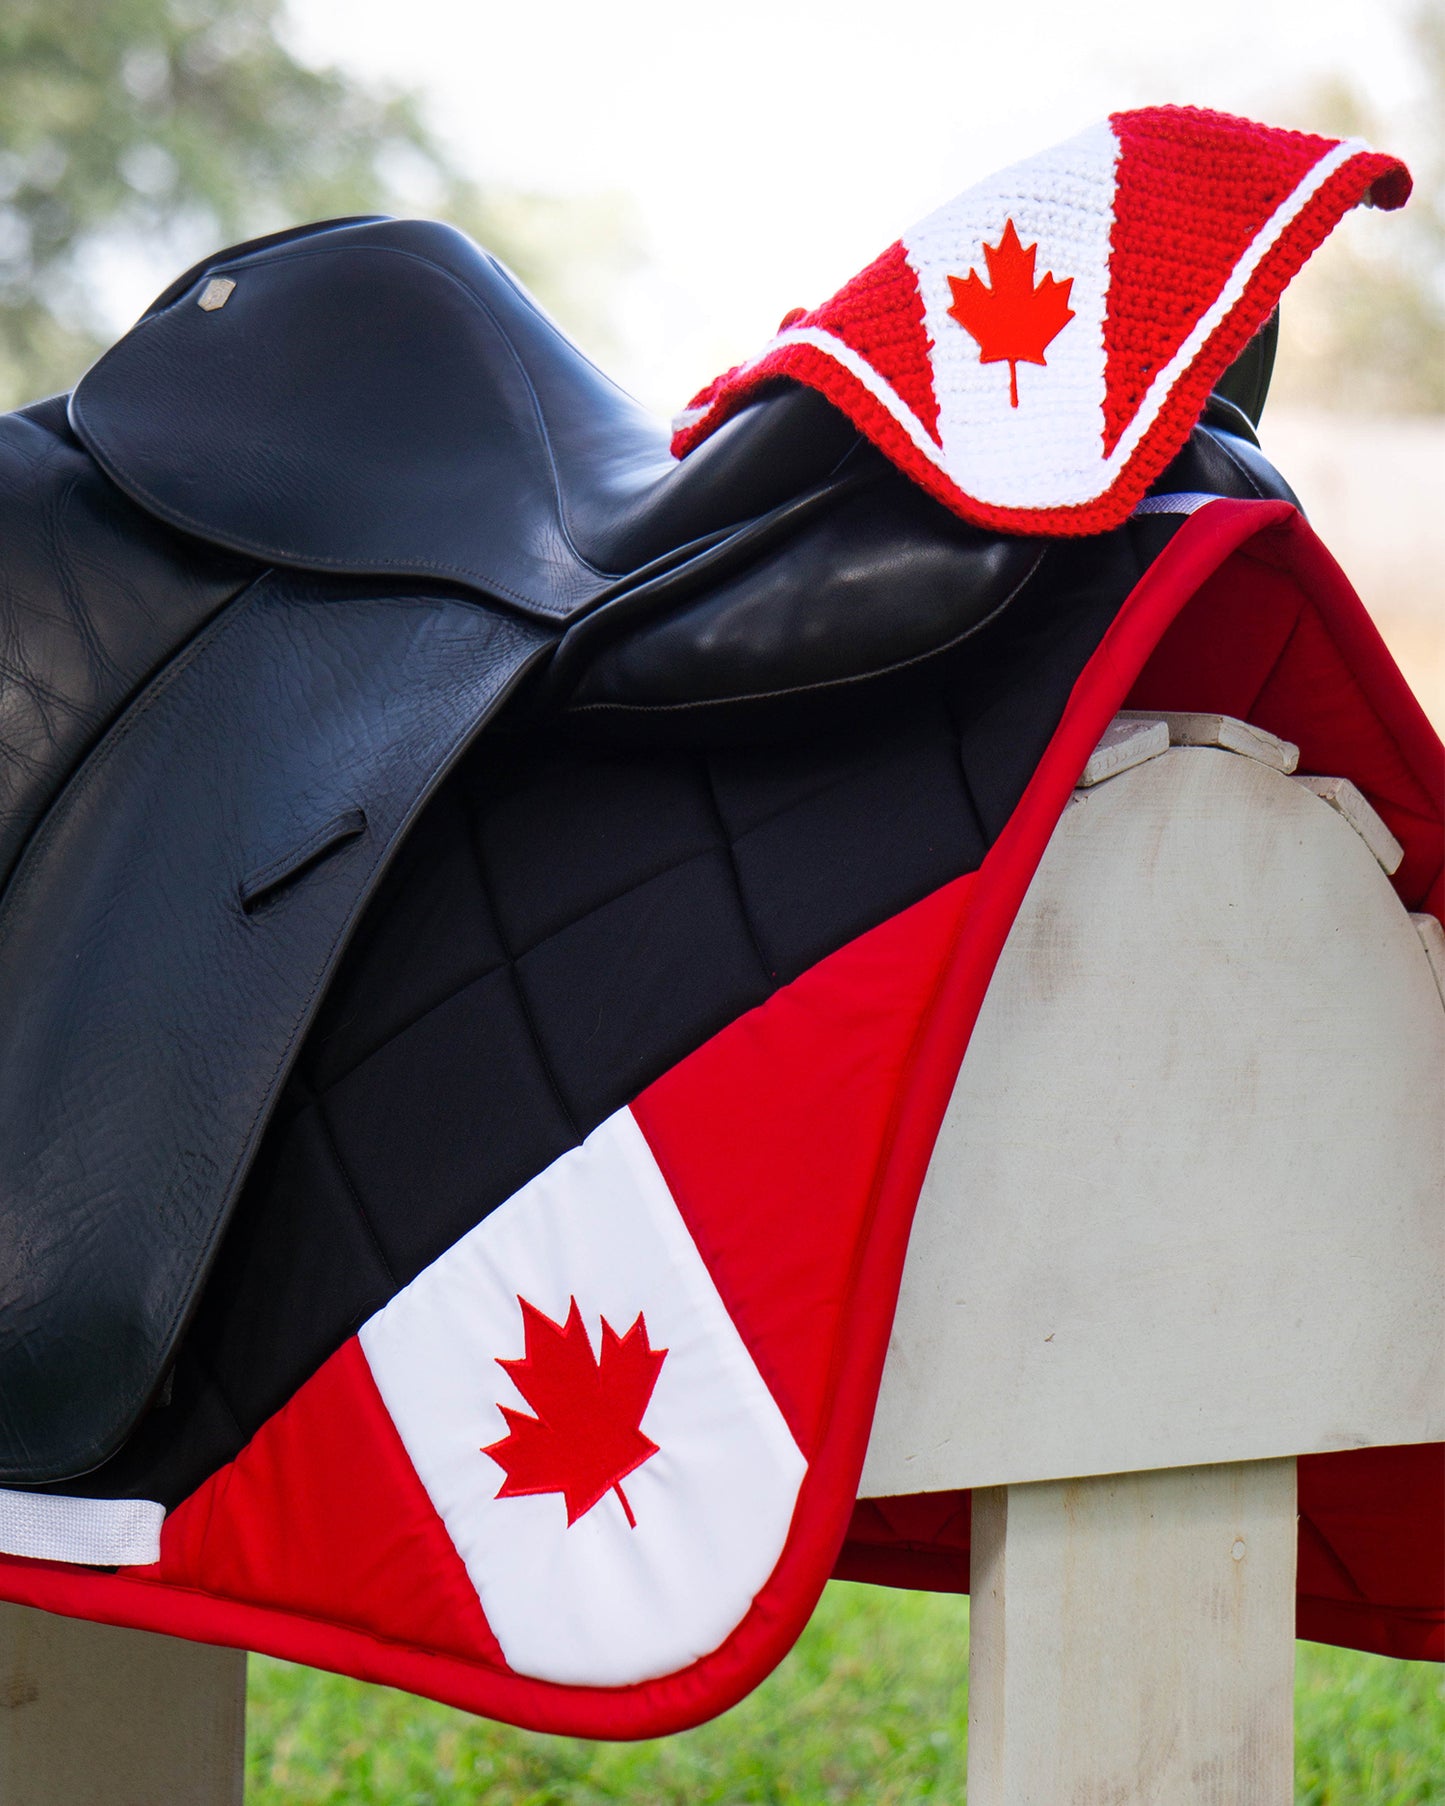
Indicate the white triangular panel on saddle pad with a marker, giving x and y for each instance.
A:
(1035, 352)
(622, 1531)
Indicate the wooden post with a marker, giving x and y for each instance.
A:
(94, 1716)
(1132, 1639)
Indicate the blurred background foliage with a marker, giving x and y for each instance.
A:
(137, 136)
(1366, 316)
(153, 131)
(163, 129)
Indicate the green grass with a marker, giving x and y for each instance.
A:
(871, 1706)
(1368, 1731)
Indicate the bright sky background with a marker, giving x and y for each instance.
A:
(767, 151)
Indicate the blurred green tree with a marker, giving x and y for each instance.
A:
(148, 132)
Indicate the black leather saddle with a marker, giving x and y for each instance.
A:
(340, 499)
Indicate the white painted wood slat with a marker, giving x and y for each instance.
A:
(1432, 939)
(1186, 1204)
(1351, 803)
(1225, 731)
(1125, 743)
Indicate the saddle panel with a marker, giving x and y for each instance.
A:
(1222, 456)
(165, 940)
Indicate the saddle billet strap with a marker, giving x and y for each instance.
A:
(165, 995)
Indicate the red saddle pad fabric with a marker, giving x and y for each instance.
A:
(590, 1470)
(1036, 351)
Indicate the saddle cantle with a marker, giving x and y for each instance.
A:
(382, 399)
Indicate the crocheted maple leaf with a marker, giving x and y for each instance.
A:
(1015, 319)
(586, 1436)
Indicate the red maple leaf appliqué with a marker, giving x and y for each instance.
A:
(586, 1437)
(1016, 319)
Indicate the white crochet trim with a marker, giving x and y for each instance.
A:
(98, 1533)
(857, 366)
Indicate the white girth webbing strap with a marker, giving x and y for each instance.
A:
(100, 1533)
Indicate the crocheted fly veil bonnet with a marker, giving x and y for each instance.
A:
(1036, 351)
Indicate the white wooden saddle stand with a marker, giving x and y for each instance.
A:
(1185, 1221)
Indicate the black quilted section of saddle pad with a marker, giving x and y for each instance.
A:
(564, 924)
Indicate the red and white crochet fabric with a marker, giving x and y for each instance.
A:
(1036, 351)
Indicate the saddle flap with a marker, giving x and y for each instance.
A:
(207, 863)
